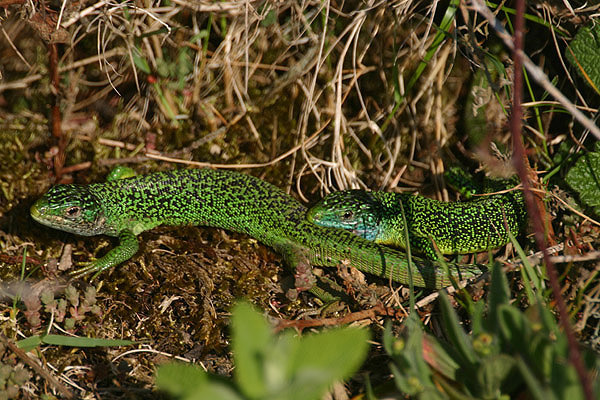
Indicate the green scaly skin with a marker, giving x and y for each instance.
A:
(228, 200)
(452, 227)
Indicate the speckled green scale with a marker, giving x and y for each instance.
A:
(224, 199)
(452, 227)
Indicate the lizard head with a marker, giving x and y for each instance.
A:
(70, 208)
(355, 210)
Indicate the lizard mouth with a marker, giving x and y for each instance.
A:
(36, 211)
(39, 211)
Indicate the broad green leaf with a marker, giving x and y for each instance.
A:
(542, 354)
(584, 178)
(324, 358)
(479, 317)
(180, 379)
(251, 339)
(584, 54)
(190, 382)
(217, 391)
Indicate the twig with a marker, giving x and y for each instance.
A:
(371, 313)
(12, 45)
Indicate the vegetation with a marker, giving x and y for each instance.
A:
(312, 97)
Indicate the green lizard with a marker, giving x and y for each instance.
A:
(228, 200)
(452, 227)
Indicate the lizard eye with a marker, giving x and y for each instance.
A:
(73, 212)
(347, 214)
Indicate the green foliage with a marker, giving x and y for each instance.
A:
(272, 367)
(584, 178)
(71, 341)
(509, 353)
(584, 54)
(412, 374)
(269, 19)
(191, 382)
(176, 70)
(139, 60)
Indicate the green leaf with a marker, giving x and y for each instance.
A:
(30, 343)
(286, 367)
(190, 382)
(493, 372)
(412, 357)
(139, 61)
(565, 381)
(438, 358)
(405, 381)
(180, 379)
(71, 341)
(163, 68)
(185, 63)
(528, 273)
(321, 359)
(537, 391)
(251, 336)
(514, 327)
(479, 317)
(499, 295)
(269, 19)
(214, 391)
(455, 333)
(584, 54)
(584, 178)
(388, 340)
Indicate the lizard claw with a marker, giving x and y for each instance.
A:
(86, 270)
